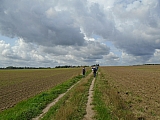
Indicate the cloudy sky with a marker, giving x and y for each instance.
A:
(79, 32)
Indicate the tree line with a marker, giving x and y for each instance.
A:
(70, 66)
(64, 66)
(12, 67)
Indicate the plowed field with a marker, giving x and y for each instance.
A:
(18, 85)
(139, 87)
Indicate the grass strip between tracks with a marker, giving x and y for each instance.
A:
(31, 107)
(102, 111)
(107, 103)
(73, 105)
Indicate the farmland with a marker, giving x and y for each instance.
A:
(18, 85)
(120, 92)
(138, 88)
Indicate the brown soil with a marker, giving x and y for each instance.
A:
(18, 85)
(139, 87)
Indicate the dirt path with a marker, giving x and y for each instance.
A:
(45, 110)
(89, 110)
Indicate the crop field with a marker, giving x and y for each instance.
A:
(138, 87)
(18, 85)
(119, 93)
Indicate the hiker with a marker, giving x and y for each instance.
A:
(94, 71)
(96, 68)
(83, 71)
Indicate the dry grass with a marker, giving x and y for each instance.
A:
(73, 105)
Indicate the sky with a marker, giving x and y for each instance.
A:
(49, 33)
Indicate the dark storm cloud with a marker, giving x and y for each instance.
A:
(39, 22)
(135, 46)
(53, 23)
(93, 51)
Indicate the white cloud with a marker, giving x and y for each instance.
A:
(156, 57)
(3, 45)
(74, 55)
(76, 32)
(110, 59)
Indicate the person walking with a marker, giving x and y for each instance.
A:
(94, 71)
(83, 71)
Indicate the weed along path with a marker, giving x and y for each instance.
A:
(72, 106)
(45, 110)
(76, 96)
(89, 110)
